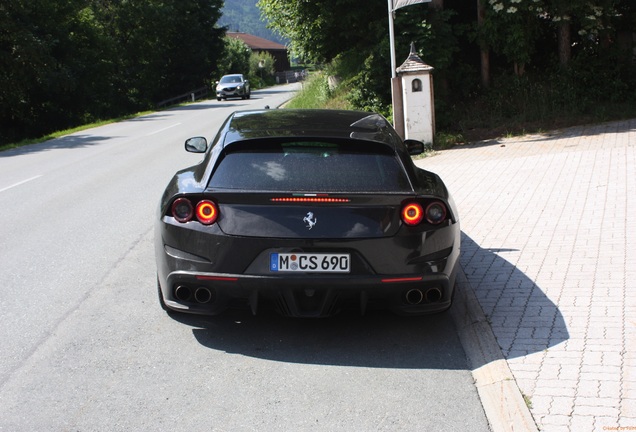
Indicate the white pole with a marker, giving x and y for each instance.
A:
(396, 88)
(392, 39)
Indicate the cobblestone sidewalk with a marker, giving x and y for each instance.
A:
(549, 247)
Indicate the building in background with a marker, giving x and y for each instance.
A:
(258, 44)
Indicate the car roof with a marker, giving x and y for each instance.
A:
(309, 123)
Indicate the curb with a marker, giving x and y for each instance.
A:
(500, 396)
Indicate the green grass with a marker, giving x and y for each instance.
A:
(315, 94)
(518, 108)
(446, 140)
(527, 400)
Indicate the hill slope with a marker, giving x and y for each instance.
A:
(244, 16)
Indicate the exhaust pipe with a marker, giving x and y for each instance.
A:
(433, 295)
(182, 293)
(414, 297)
(203, 295)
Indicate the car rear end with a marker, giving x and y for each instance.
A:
(310, 227)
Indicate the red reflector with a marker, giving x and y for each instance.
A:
(310, 200)
(407, 279)
(217, 278)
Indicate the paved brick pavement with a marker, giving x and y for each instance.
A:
(549, 247)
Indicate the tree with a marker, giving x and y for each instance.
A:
(512, 28)
(162, 47)
(235, 58)
(67, 63)
(484, 51)
(194, 48)
(320, 30)
(42, 56)
(262, 65)
(590, 18)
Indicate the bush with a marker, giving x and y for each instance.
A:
(261, 69)
(236, 57)
(314, 94)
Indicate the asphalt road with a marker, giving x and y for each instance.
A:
(85, 347)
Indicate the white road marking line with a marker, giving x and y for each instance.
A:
(161, 130)
(19, 183)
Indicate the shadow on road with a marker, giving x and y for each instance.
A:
(523, 319)
(383, 340)
(376, 340)
(616, 127)
(65, 142)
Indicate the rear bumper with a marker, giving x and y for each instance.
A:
(207, 272)
(308, 296)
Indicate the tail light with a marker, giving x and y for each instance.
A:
(182, 210)
(435, 212)
(205, 211)
(413, 213)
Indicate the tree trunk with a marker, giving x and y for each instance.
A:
(438, 5)
(565, 43)
(485, 53)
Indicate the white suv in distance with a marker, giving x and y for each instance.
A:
(235, 85)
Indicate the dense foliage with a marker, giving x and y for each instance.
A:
(65, 63)
(512, 60)
(258, 66)
(236, 58)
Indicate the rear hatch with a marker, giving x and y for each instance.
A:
(309, 188)
(327, 217)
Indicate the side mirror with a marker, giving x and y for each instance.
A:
(196, 145)
(414, 147)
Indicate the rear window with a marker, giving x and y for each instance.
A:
(311, 166)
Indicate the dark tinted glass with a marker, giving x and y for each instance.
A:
(311, 166)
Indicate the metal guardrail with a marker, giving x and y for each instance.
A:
(290, 76)
(191, 96)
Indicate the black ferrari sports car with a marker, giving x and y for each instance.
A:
(308, 211)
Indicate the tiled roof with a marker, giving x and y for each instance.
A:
(255, 42)
(414, 63)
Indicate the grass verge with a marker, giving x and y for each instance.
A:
(65, 132)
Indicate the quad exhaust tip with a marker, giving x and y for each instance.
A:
(417, 296)
(200, 295)
(203, 295)
(183, 293)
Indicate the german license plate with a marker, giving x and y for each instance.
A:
(310, 262)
